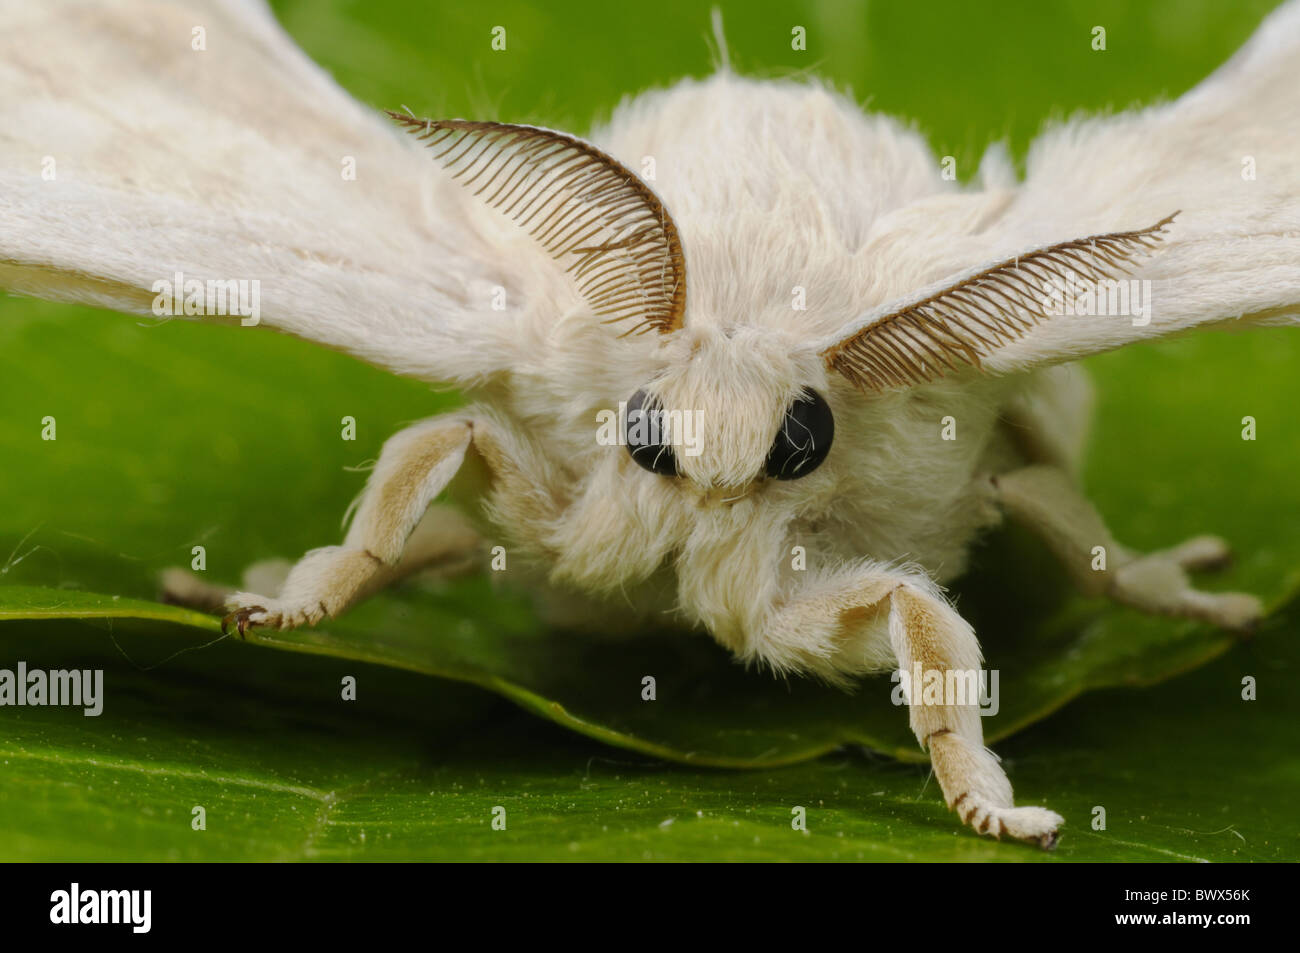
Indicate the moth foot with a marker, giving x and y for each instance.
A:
(1158, 583)
(247, 611)
(1201, 554)
(1238, 611)
(1033, 825)
(243, 619)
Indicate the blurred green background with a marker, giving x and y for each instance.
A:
(173, 434)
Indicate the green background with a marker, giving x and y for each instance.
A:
(172, 434)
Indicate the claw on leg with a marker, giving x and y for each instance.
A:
(975, 787)
(242, 619)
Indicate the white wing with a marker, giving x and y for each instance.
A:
(1225, 156)
(127, 155)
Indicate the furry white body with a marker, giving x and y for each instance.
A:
(774, 187)
(755, 232)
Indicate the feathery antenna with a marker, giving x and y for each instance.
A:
(588, 211)
(974, 317)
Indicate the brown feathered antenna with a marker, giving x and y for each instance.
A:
(590, 213)
(974, 317)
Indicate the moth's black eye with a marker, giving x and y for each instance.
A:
(645, 435)
(804, 438)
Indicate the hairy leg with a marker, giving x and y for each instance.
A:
(866, 616)
(443, 545)
(1047, 501)
(414, 466)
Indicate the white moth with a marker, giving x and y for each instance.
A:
(797, 271)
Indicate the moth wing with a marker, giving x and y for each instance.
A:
(1096, 204)
(145, 138)
(1226, 156)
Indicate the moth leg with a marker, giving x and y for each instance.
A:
(443, 545)
(866, 617)
(414, 466)
(1047, 501)
(180, 587)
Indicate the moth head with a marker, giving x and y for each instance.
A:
(741, 408)
(733, 408)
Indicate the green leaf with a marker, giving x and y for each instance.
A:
(284, 769)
